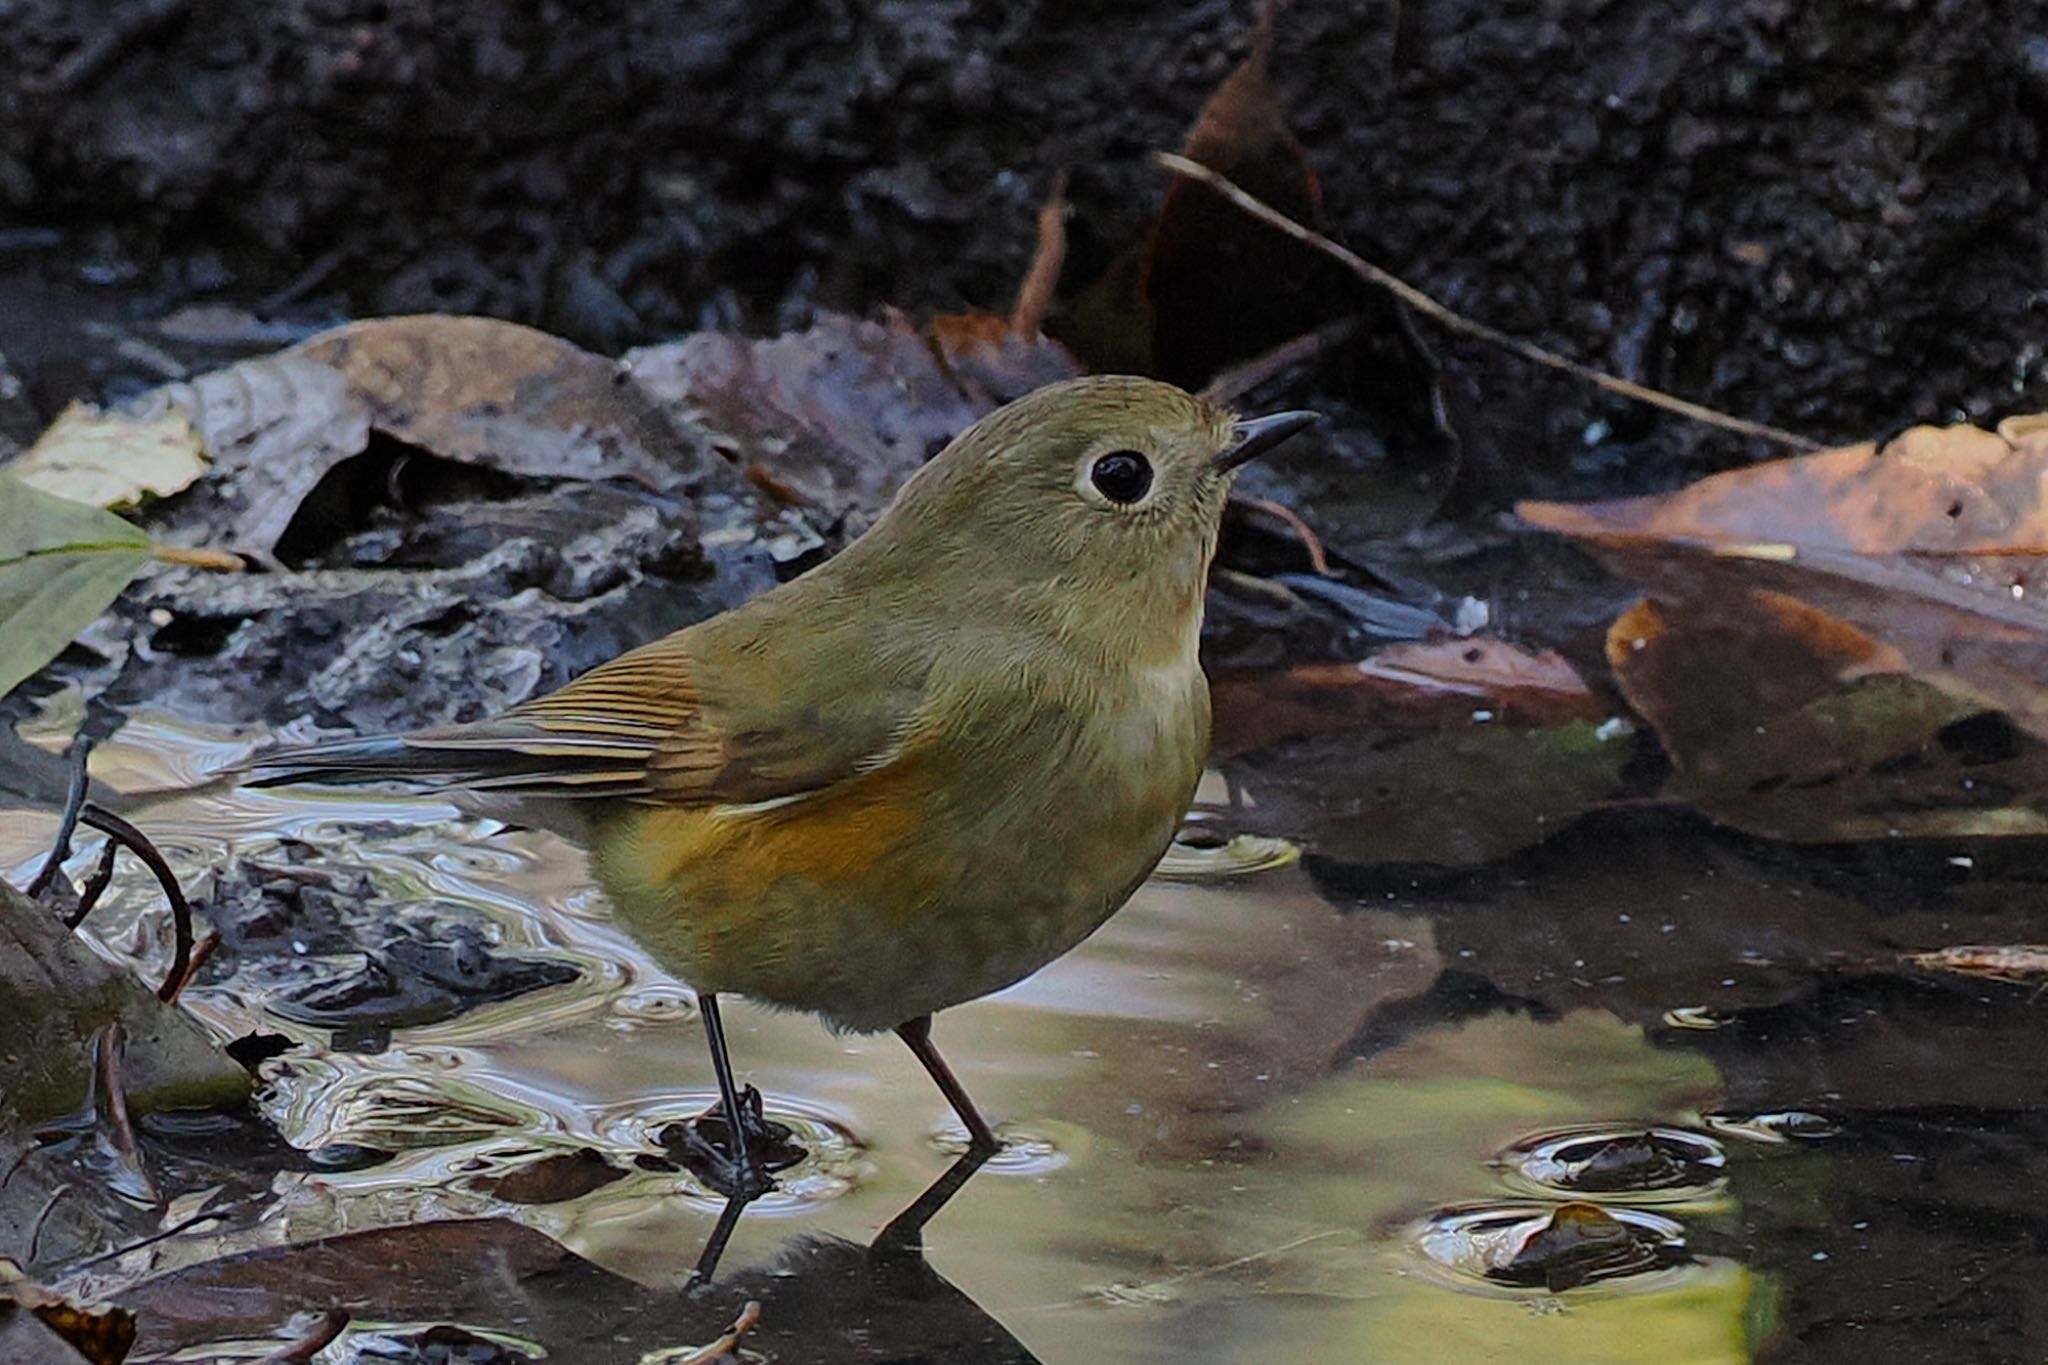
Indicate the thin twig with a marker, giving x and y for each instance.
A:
(1242, 378)
(317, 1338)
(133, 839)
(727, 1344)
(211, 1214)
(110, 1104)
(1310, 541)
(200, 952)
(35, 1231)
(1429, 307)
(74, 806)
(193, 557)
(95, 885)
(1034, 294)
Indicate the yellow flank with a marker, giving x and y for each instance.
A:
(798, 904)
(838, 837)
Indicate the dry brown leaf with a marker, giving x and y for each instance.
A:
(474, 390)
(101, 1333)
(1935, 547)
(992, 360)
(1220, 286)
(837, 416)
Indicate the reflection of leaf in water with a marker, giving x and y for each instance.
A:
(61, 563)
(403, 1112)
(1462, 795)
(1327, 1177)
(1784, 722)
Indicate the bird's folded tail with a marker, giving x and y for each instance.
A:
(482, 757)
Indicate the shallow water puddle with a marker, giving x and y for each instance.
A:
(1251, 1114)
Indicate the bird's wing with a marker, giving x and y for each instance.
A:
(646, 726)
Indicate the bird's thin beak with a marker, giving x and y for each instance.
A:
(1257, 435)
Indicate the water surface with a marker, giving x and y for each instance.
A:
(1319, 1111)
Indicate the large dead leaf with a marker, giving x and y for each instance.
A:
(473, 390)
(112, 459)
(835, 418)
(1935, 546)
(1208, 285)
(425, 1270)
(98, 1334)
(61, 563)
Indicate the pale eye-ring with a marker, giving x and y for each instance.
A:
(1122, 476)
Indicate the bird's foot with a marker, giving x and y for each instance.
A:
(705, 1147)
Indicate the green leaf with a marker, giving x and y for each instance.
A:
(61, 563)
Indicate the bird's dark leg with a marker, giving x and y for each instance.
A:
(747, 1173)
(714, 1245)
(917, 1036)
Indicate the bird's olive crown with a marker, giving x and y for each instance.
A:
(1108, 470)
(1092, 505)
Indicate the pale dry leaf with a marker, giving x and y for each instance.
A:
(113, 459)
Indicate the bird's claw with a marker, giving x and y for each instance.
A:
(742, 1170)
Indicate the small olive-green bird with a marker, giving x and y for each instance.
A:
(917, 773)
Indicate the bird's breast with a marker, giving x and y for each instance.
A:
(996, 837)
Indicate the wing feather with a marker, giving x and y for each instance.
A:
(641, 727)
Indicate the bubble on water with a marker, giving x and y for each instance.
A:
(1203, 853)
(1552, 1248)
(1781, 1126)
(654, 1004)
(1607, 1163)
(1698, 1017)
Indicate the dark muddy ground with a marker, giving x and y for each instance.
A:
(1825, 215)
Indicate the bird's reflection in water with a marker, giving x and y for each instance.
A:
(829, 1300)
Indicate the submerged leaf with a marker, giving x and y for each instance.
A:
(61, 563)
(1782, 721)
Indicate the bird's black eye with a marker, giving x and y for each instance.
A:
(1122, 475)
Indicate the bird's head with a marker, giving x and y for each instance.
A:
(1092, 503)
